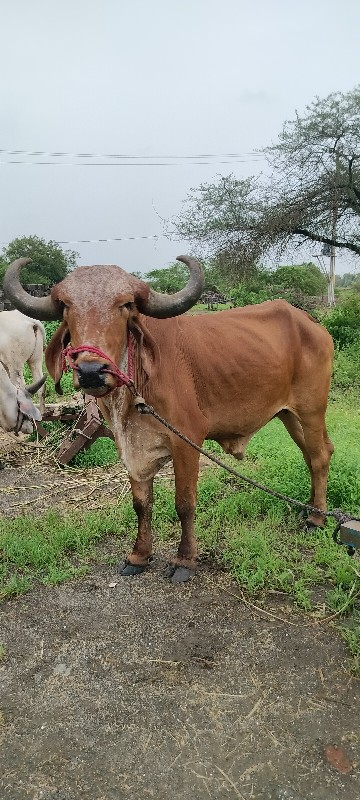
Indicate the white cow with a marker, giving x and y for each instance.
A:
(22, 341)
(16, 407)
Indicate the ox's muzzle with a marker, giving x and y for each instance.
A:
(96, 377)
(91, 375)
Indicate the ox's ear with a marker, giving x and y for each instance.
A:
(149, 351)
(53, 354)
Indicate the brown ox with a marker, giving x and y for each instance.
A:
(221, 376)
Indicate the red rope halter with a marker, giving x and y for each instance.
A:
(122, 379)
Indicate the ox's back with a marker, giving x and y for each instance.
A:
(254, 361)
(272, 335)
(22, 341)
(18, 336)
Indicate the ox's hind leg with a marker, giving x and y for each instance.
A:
(186, 468)
(296, 432)
(139, 558)
(312, 438)
(294, 428)
(320, 449)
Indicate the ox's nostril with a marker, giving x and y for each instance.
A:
(90, 374)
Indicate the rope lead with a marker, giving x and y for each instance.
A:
(340, 516)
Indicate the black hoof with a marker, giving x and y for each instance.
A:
(311, 526)
(169, 571)
(126, 569)
(178, 574)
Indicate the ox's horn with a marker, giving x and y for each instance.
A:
(38, 307)
(164, 305)
(34, 387)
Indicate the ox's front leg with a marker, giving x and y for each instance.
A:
(186, 468)
(140, 556)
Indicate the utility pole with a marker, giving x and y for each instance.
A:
(331, 283)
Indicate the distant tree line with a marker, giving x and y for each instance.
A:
(293, 282)
(348, 279)
(51, 264)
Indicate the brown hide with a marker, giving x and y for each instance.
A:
(221, 376)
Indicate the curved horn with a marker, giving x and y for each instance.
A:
(34, 387)
(162, 305)
(38, 307)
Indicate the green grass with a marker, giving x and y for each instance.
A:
(54, 547)
(203, 308)
(102, 453)
(51, 396)
(257, 538)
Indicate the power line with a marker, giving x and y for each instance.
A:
(97, 241)
(127, 163)
(43, 154)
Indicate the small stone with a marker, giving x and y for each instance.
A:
(62, 669)
(337, 758)
(112, 585)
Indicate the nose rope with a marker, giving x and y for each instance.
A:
(67, 362)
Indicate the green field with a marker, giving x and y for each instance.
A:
(258, 539)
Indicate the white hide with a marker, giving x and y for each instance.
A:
(11, 400)
(22, 341)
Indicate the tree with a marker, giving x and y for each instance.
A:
(296, 283)
(171, 279)
(311, 195)
(306, 279)
(220, 220)
(217, 278)
(50, 263)
(316, 173)
(168, 280)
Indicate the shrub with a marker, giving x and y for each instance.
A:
(346, 373)
(343, 323)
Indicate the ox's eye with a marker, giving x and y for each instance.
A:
(128, 306)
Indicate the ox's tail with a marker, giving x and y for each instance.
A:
(38, 326)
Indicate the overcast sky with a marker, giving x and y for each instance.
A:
(151, 78)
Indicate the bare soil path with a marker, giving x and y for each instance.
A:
(116, 688)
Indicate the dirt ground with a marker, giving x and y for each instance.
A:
(132, 688)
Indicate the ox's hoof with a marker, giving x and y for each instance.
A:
(310, 525)
(178, 574)
(129, 570)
